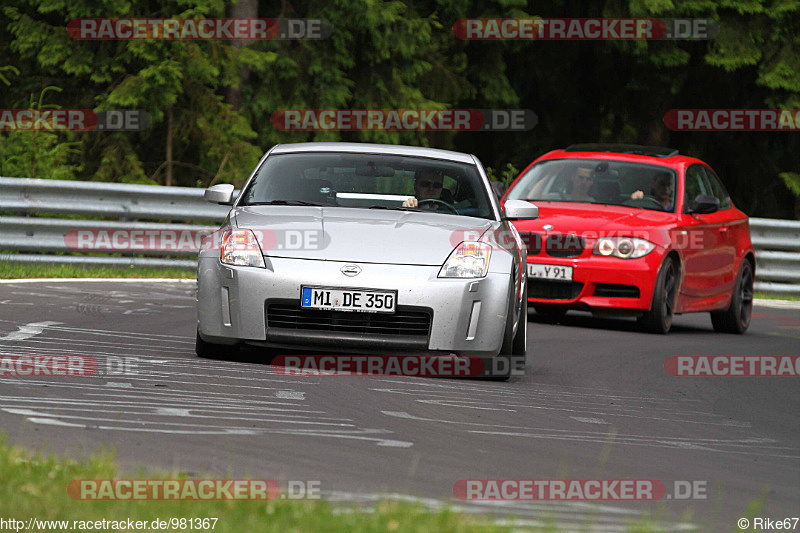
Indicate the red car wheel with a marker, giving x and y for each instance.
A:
(659, 318)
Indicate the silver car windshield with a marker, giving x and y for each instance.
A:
(600, 182)
(370, 181)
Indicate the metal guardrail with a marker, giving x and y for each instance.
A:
(122, 201)
(125, 202)
(777, 242)
(35, 234)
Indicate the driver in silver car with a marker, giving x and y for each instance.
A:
(427, 186)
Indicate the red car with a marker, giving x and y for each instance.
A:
(635, 230)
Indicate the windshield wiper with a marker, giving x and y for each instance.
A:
(287, 202)
(393, 208)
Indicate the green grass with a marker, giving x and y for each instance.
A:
(763, 296)
(17, 269)
(34, 486)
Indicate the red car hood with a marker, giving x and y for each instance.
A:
(599, 220)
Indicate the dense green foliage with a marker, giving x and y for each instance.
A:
(211, 101)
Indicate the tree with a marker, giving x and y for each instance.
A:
(211, 101)
(176, 82)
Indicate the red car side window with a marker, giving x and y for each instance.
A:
(695, 185)
(718, 189)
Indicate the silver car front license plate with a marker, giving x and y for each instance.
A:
(360, 300)
(554, 272)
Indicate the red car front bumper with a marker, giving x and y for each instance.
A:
(598, 282)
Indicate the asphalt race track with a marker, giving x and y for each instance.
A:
(596, 403)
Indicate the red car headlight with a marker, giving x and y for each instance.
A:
(623, 247)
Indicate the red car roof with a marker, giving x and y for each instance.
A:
(675, 161)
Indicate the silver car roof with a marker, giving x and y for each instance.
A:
(391, 149)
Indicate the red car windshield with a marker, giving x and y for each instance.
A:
(599, 182)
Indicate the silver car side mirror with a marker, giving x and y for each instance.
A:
(220, 194)
(520, 210)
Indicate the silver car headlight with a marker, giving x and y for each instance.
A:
(240, 247)
(468, 260)
(623, 247)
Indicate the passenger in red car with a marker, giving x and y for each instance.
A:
(582, 181)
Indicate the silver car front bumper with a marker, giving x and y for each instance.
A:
(468, 315)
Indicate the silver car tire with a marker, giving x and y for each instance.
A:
(209, 350)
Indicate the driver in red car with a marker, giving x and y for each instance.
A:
(427, 186)
(662, 188)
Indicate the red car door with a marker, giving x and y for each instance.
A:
(729, 230)
(705, 247)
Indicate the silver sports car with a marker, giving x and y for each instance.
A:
(352, 248)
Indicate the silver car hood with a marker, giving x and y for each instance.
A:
(358, 235)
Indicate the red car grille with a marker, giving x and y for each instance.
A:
(553, 290)
(558, 245)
